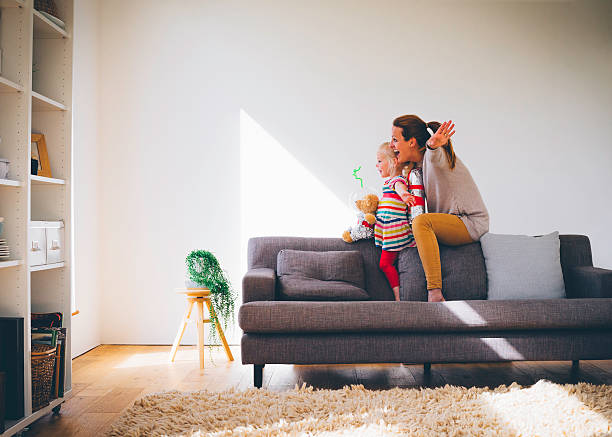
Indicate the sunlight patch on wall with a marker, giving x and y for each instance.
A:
(279, 195)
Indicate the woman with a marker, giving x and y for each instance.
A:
(457, 214)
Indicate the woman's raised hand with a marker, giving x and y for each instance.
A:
(442, 135)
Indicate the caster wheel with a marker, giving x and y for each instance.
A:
(56, 410)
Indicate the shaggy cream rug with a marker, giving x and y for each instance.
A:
(544, 409)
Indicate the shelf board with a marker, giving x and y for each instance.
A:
(45, 28)
(12, 3)
(10, 263)
(8, 86)
(10, 183)
(47, 267)
(42, 103)
(41, 180)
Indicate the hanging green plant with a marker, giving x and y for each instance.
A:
(204, 270)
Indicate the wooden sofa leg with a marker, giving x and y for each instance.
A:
(258, 375)
(427, 374)
(575, 372)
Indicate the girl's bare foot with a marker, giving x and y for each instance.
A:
(435, 295)
(396, 293)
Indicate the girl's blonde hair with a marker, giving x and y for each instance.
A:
(387, 151)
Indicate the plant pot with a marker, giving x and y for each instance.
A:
(190, 284)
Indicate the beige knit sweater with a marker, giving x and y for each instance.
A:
(454, 192)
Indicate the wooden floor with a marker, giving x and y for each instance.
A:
(109, 378)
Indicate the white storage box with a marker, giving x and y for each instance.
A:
(4, 168)
(38, 247)
(46, 243)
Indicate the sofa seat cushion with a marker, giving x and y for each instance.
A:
(452, 316)
(464, 275)
(330, 275)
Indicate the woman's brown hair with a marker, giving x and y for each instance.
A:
(413, 126)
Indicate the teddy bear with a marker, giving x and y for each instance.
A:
(365, 219)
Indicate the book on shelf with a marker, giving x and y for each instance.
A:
(61, 350)
(45, 336)
(46, 320)
(46, 328)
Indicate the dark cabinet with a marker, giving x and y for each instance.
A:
(11, 364)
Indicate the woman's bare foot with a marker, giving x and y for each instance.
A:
(435, 295)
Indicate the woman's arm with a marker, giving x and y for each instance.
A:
(417, 189)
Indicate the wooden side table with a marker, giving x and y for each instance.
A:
(198, 297)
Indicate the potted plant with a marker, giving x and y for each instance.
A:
(204, 271)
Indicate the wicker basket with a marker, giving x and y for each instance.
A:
(43, 372)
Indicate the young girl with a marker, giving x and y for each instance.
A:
(402, 200)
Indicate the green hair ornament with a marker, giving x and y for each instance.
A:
(357, 177)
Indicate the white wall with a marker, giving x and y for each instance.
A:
(528, 84)
(86, 324)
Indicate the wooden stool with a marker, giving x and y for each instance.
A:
(198, 296)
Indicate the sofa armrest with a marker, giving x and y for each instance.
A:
(588, 282)
(259, 284)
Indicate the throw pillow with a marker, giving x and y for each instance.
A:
(310, 275)
(523, 267)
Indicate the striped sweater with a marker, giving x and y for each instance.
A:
(392, 230)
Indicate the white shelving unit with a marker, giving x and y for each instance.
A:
(41, 180)
(45, 28)
(12, 3)
(47, 267)
(42, 103)
(35, 97)
(10, 183)
(10, 263)
(8, 86)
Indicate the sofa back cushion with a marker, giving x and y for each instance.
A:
(464, 276)
(336, 265)
(296, 287)
(329, 275)
(263, 252)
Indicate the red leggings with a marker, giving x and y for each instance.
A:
(387, 261)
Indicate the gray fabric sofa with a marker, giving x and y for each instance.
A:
(466, 328)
